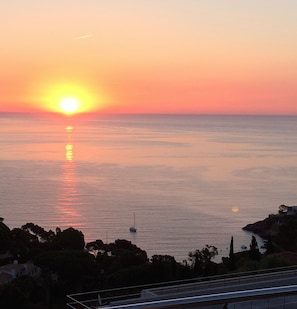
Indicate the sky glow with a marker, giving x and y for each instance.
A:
(168, 56)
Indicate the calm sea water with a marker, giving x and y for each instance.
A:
(189, 180)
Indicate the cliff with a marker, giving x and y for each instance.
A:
(264, 228)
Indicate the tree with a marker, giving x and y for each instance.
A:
(269, 246)
(96, 245)
(39, 232)
(126, 254)
(22, 244)
(282, 209)
(201, 260)
(231, 256)
(70, 239)
(254, 249)
(5, 236)
(68, 271)
(286, 238)
(164, 267)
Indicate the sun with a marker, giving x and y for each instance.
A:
(69, 105)
(71, 98)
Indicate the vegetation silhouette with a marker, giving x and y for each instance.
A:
(232, 265)
(69, 265)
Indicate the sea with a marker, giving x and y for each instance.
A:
(188, 180)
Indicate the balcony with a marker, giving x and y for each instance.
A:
(277, 289)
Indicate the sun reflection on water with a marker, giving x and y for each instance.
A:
(69, 200)
(69, 152)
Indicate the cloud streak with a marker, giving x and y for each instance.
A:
(83, 37)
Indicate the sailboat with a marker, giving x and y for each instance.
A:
(133, 227)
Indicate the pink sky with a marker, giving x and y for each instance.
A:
(152, 56)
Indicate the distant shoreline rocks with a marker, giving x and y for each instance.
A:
(255, 228)
(270, 225)
(263, 228)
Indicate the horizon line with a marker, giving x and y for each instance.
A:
(144, 113)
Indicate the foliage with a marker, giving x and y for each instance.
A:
(254, 252)
(70, 239)
(96, 247)
(22, 244)
(11, 296)
(131, 276)
(120, 254)
(286, 238)
(4, 237)
(39, 232)
(70, 266)
(164, 267)
(271, 261)
(269, 246)
(31, 240)
(282, 209)
(231, 256)
(201, 260)
(34, 294)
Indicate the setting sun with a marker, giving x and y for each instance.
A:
(70, 105)
(70, 98)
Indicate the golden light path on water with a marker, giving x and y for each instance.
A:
(68, 199)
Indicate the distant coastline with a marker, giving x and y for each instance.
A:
(263, 228)
(269, 226)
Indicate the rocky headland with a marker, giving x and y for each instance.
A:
(275, 225)
(265, 228)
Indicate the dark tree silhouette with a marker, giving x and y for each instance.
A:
(269, 246)
(286, 239)
(201, 260)
(164, 267)
(70, 239)
(254, 252)
(5, 236)
(39, 232)
(231, 256)
(282, 209)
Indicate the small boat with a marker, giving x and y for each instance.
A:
(132, 228)
(243, 247)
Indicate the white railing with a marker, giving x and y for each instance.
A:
(219, 298)
(170, 291)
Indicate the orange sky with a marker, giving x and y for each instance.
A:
(132, 56)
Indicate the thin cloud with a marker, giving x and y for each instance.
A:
(83, 37)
